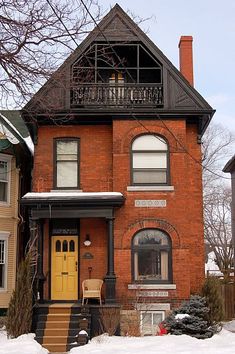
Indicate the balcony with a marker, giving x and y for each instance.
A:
(122, 95)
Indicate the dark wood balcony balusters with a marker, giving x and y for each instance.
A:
(117, 94)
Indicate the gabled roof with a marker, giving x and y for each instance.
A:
(179, 95)
(15, 128)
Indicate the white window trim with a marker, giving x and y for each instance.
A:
(7, 158)
(150, 188)
(143, 312)
(4, 235)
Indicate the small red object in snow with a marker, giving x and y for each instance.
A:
(161, 331)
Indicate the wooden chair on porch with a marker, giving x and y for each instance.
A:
(91, 288)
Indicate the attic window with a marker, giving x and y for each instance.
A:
(129, 64)
(100, 60)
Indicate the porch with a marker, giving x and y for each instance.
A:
(60, 222)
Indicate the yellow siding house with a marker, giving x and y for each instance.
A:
(15, 161)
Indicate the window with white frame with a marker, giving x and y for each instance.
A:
(4, 178)
(150, 160)
(149, 321)
(3, 261)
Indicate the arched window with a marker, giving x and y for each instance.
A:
(151, 256)
(150, 163)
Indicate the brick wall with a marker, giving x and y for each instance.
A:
(105, 166)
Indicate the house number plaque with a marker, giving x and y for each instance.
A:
(150, 203)
(153, 293)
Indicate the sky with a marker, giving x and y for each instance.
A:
(212, 25)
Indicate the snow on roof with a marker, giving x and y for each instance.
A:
(59, 195)
(28, 141)
(6, 134)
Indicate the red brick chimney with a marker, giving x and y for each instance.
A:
(186, 57)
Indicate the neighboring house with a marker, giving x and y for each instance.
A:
(230, 167)
(117, 179)
(15, 175)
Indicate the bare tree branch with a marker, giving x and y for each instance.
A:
(34, 42)
(218, 143)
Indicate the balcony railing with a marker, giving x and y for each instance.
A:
(124, 95)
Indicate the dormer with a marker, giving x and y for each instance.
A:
(118, 71)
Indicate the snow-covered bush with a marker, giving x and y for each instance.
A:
(191, 318)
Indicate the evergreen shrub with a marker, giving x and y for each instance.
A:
(195, 322)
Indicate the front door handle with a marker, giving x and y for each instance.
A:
(76, 266)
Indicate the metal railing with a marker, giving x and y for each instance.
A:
(117, 94)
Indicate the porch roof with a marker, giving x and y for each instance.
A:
(74, 198)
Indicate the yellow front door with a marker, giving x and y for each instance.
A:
(64, 268)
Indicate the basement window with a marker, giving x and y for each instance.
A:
(149, 321)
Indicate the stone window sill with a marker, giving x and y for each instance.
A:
(150, 188)
(151, 286)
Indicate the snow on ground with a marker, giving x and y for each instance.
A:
(22, 345)
(224, 342)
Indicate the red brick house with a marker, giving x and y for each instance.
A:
(117, 191)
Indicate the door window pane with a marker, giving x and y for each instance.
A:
(71, 246)
(58, 246)
(65, 246)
